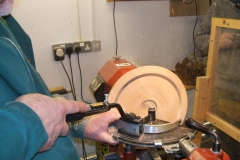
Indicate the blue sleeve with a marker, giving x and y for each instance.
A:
(77, 128)
(22, 132)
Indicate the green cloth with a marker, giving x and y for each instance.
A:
(21, 130)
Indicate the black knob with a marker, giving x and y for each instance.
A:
(191, 123)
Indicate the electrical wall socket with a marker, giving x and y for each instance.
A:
(84, 45)
(96, 45)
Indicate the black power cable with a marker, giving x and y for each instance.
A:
(69, 51)
(80, 71)
(198, 12)
(194, 43)
(194, 40)
(70, 83)
(115, 29)
(77, 49)
(84, 150)
(197, 18)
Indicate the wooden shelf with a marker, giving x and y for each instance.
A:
(130, 0)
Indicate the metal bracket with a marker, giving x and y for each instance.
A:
(190, 135)
(171, 148)
(159, 128)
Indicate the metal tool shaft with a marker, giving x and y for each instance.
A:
(96, 108)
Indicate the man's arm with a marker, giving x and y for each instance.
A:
(52, 113)
(32, 123)
(22, 132)
(202, 34)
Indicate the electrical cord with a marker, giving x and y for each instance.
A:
(198, 13)
(74, 96)
(194, 39)
(114, 21)
(194, 43)
(69, 51)
(80, 71)
(77, 49)
(70, 63)
(84, 150)
(197, 18)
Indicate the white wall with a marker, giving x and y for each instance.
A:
(146, 34)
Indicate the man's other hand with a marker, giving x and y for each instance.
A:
(97, 126)
(226, 40)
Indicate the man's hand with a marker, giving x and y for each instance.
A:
(52, 112)
(226, 40)
(97, 126)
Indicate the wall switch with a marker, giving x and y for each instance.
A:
(96, 45)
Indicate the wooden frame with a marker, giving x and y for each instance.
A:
(204, 84)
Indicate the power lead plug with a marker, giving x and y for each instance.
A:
(77, 49)
(58, 54)
(69, 51)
